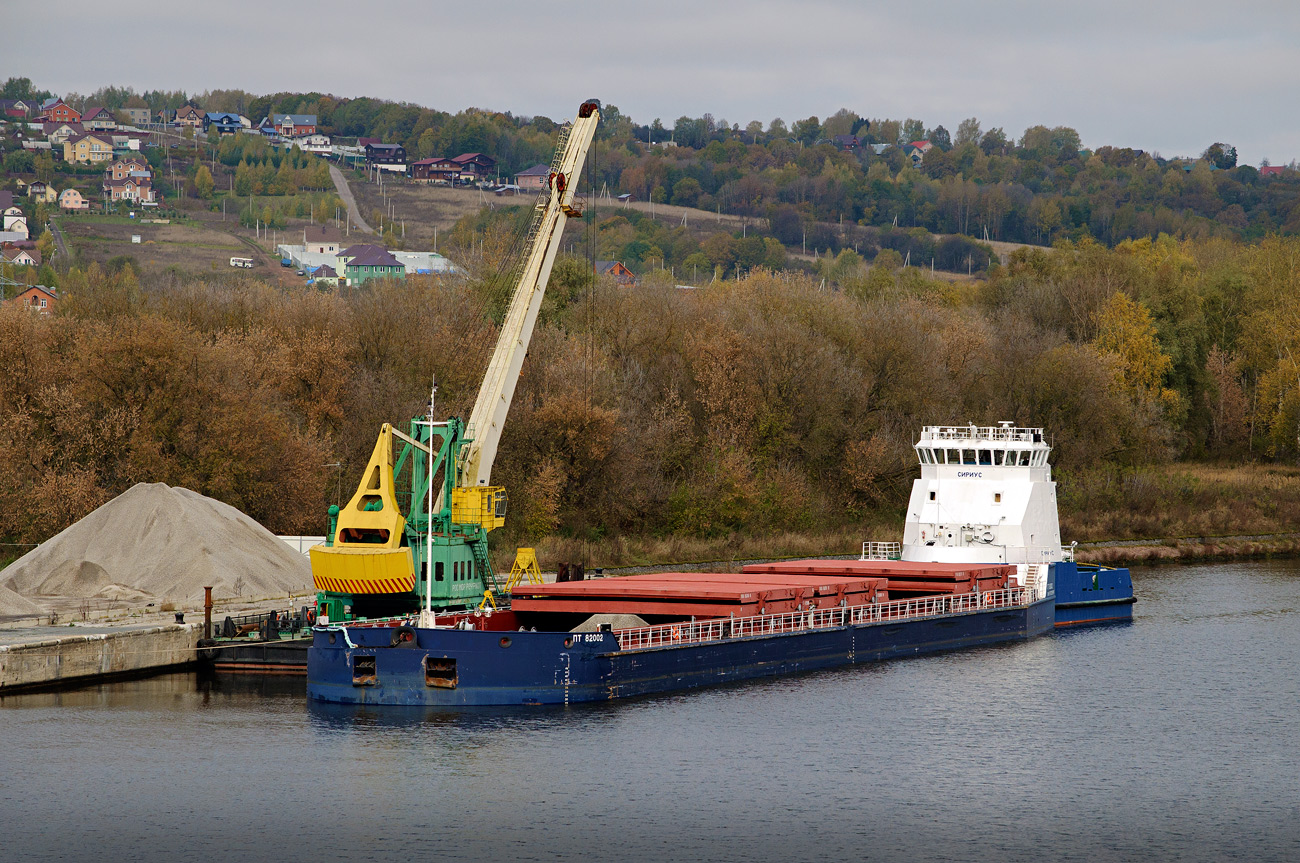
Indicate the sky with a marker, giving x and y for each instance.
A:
(1162, 76)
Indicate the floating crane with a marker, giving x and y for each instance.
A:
(381, 558)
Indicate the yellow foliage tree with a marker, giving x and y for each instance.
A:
(1124, 328)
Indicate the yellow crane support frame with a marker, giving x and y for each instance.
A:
(525, 567)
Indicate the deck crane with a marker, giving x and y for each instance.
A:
(385, 556)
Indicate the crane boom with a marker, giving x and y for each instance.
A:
(498, 388)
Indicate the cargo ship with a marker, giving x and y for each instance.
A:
(980, 563)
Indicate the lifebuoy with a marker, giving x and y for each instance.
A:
(677, 633)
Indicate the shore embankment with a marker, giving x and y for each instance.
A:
(1189, 549)
(46, 657)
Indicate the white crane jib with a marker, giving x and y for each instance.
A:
(553, 210)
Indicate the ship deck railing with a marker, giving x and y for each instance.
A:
(966, 433)
(893, 611)
(881, 551)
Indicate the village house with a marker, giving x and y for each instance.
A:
(434, 170)
(534, 178)
(37, 298)
(98, 120)
(366, 261)
(293, 125)
(137, 116)
(225, 123)
(322, 240)
(324, 276)
(387, 157)
(135, 188)
(70, 199)
(57, 111)
(42, 192)
(475, 166)
(188, 115)
(316, 143)
(90, 147)
(848, 143)
(19, 257)
(917, 150)
(125, 145)
(58, 133)
(617, 271)
(13, 221)
(123, 168)
(15, 108)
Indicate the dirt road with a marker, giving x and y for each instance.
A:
(341, 183)
(58, 238)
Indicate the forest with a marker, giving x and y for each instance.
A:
(766, 404)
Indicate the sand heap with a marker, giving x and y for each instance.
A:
(13, 605)
(157, 542)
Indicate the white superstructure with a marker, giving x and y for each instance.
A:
(985, 496)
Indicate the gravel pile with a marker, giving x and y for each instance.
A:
(156, 542)
(13, 605)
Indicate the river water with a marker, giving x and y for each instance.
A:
(1174, 737)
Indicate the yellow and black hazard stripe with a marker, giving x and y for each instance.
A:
(364, 585)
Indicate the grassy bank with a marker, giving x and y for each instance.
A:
(1179, 500)
(1167, 513)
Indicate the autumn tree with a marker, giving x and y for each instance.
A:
(203, 182)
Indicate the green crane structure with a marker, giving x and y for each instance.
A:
(392, 552)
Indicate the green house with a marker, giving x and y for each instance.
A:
(370, 262)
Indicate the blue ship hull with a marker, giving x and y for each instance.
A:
(451, 667)
(1090, 594)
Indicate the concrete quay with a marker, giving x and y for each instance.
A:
(48, 657)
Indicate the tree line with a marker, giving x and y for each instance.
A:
(768, 402)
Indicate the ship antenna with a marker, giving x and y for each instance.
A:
(428, 618)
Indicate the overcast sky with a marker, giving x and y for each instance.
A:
(1171, 77)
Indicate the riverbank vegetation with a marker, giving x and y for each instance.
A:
(740, 419)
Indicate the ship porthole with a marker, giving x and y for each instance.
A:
(505, 641)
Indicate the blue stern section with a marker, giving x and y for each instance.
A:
(1086, 593)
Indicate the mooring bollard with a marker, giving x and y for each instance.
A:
(207, 613)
